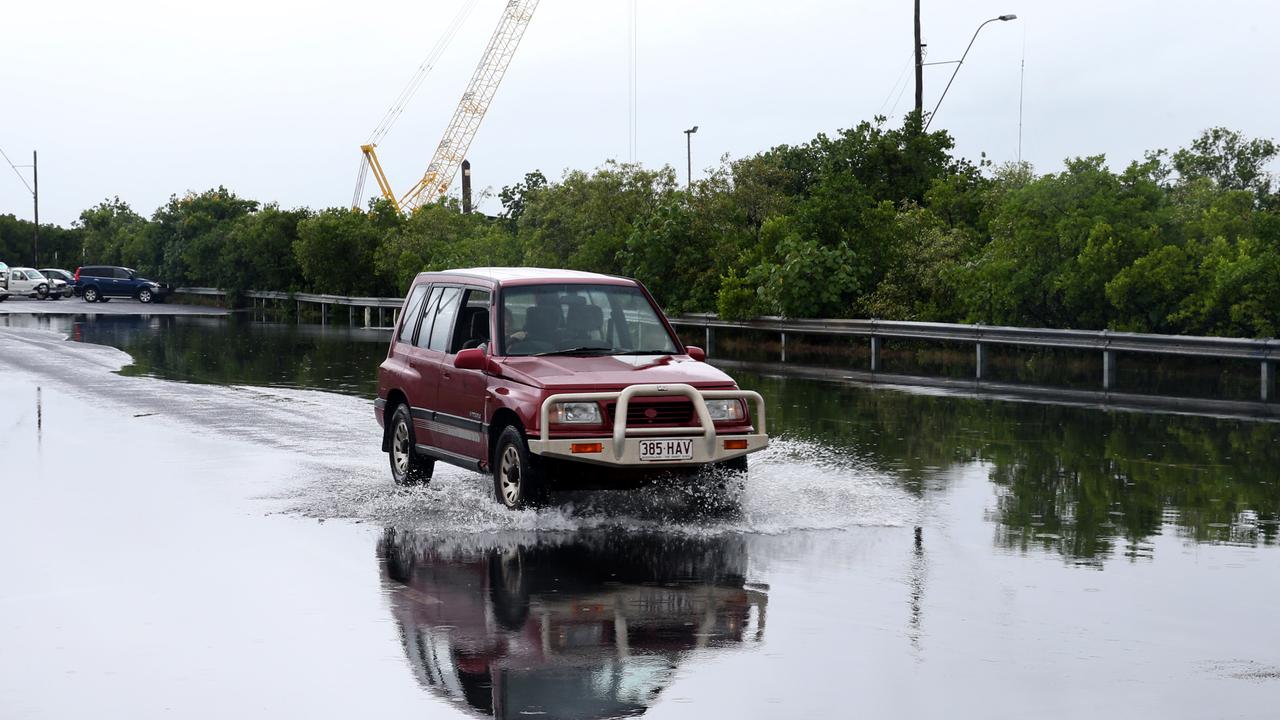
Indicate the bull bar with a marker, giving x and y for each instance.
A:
(622, 448)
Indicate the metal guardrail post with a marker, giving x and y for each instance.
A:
(1108, 369)
(980, 360)
(1267, 376)
(875, 353)
(784, 347)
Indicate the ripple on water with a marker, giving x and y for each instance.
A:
(792, 485)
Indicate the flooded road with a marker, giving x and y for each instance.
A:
(197, 528)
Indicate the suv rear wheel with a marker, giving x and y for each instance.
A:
(517, 475)
(407, 466)
(91, 294)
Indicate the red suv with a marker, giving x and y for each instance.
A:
(507, 370)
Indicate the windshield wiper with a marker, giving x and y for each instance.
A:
(644, 352)
(581, 350)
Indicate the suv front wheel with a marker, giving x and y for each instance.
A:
(407, 466)
(145, 296)
(517, 475)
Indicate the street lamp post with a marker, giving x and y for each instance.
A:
(1002, 18)
(688, 138)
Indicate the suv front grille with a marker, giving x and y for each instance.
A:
(641, 413)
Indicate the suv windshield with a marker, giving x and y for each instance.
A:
(581, 319)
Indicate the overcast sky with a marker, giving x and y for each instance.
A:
(272, 98)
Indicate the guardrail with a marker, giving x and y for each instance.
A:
(1266, 351)
(369, 304)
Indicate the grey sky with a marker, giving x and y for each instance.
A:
(272, 99)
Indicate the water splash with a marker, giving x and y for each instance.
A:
(793, 485)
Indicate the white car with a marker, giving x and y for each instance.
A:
(28, 282)
(61, 282)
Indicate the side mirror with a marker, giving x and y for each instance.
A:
(696, 353)
(470, 359)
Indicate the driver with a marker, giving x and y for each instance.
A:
(508, 321)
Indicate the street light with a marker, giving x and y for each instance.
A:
(1001, 18)
(688, 138)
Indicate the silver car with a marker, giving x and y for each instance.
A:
(61, 282)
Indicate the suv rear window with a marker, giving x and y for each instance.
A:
(412, 313)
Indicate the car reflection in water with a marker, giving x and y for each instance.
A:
(585, 626)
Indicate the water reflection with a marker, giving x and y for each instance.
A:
(1082, 482)
(585, 626)
(237, 351)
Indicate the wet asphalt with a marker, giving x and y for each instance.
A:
(178, 550)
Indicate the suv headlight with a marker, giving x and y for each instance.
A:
(720, 410)
(575, 413)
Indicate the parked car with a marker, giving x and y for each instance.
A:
(63, 282)
(100, 283)
(508, 370)
(28, 282)
(4, 282)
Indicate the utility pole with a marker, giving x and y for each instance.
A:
(35, 194)
(688, 137)
(919, 65)
(466, 187)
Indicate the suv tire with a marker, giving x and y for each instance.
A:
(91, 294)
(145, 297)
(42, 291)
(407, 466)
(517, 475)
(509, 582)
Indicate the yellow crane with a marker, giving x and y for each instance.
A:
(466, 118)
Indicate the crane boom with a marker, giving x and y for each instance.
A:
(475, 102)
(462, 128)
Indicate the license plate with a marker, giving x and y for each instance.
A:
(666, 449)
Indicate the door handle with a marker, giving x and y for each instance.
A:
(446, 375)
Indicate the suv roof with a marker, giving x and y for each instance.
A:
(530, 275)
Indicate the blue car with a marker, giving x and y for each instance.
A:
(100, 283)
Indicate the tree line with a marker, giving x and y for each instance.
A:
(873, 221)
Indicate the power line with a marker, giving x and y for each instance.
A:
(15, 172)
(411, 88)
(632, 101)
(894, 89)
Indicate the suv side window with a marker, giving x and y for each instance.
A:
(472, 328)
(428, 314)
(120, 273)
(412, 313)
(442, 327)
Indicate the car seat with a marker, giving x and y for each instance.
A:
(542, 322)
(585, 321)
(479, 329)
